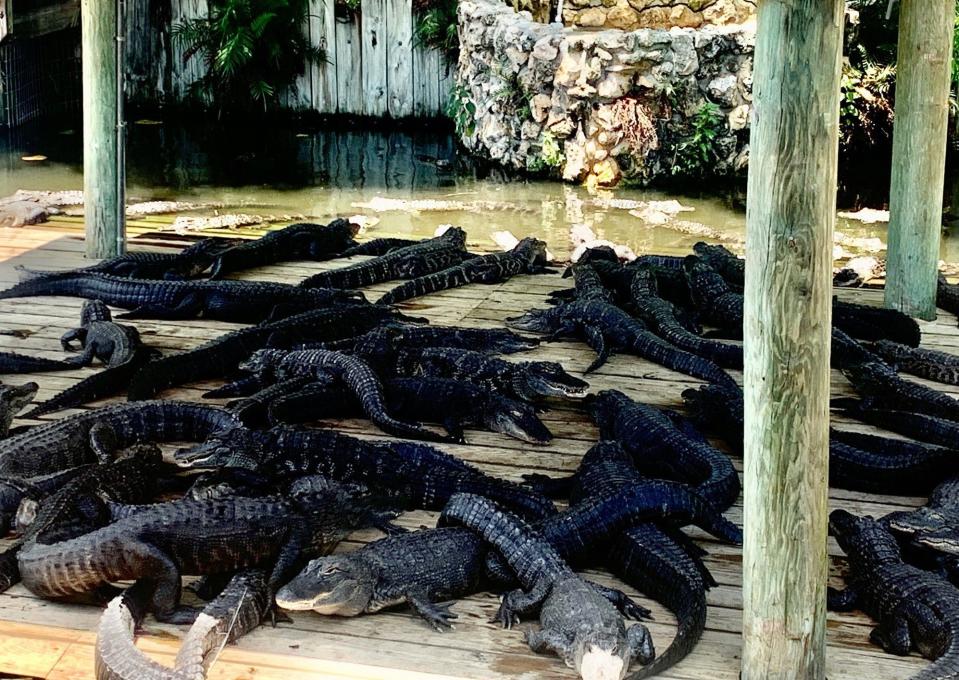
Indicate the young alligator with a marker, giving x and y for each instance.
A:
(932, 528)
(525, 380)
(93, 435)
(576, 623)
(12, 363)
(301, 241)
(527, 257)
(724, 262)
(239, 301)
(352, 371)
(879, 385)
(163, 541)
(100, 338)
(453, 403)
(219, 357)
(449, 246)
(871, 323)
(420, 475)
(925, 363)
(606, 327)
(240, 608)
(13, 399)
(660, 448)
(915, 609)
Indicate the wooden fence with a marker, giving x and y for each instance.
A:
(374, 68)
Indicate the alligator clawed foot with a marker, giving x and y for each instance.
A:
(505, 616)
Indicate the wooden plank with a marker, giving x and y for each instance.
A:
(788, 307)
(446, 78)
(323, 74)
(348, 65)
(923, 80)
(147, 68)
(399, 46)
(185, 73)
(373, 52)
(300, 96)
(426, 66)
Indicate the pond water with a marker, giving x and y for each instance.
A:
(281, 170)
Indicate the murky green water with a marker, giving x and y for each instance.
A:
(323, 173)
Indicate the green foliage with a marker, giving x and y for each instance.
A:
(435, 27)
(697, 152)
(462, 111)
(251, 50)
(551, 155)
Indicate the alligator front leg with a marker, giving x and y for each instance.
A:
(518, 602)
(85, 358)
(103, 442)
(597, 342)
(66, 340)
(437, 615)
(893, 635)
(844, 600)
(545, 641)
(625, 604)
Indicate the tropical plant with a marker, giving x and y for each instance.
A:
(551, 155)
(252, 50)
(435, 26)
(697, 152)
(462, 111)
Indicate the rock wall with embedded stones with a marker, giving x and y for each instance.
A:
(599, 105)
(629, 15)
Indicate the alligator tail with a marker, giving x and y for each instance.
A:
(691, 618)
(946, 667)
(11, 362)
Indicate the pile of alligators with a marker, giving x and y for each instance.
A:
(257, 503)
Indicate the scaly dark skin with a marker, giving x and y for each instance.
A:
(13, 399)
(724, 262)
(926, 428)
(186, 264)
(525, 380)
(391, 264)
(301, 241)
(12, 363)
(453, 403)
(378, 246)
(871, 323)
(527, 257)
(606, 327)
(930, 534)
(163, 541)
(238, 609)
(588, 284)
(219, 357)
(879, 386)
(947, 295)
(352, 371)
(925, 363)
(100, 338)
(237, 301)
(847, 351)
(387, 340)
(916, 610)
(576, 623)
(95, 434)
(660, 448)
(15, 493)
(420, 475)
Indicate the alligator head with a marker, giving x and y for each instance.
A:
(236, 447)
(94, 310)
(13, 399)
(516, 419)
(605, 652)
(535, 320)
(336, 584)
(533, 251)
(548, 379)
(863, 539)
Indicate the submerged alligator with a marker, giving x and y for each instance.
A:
(916, 610)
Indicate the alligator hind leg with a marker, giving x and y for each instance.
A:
(841, 600)
(103, 442)
(84, 358)
(517, 602)
(625, 604)
(597, 342)
(437, 615)
(67, 338)
(153, 563)
(893, 635)
(640, 644)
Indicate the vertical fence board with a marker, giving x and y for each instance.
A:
(348, 67)
(445, 73)
(300, 96)
(426, 65)
(323, 74)
(185, 73)
(399, 41)
(373, 51)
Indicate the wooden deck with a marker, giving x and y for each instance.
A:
(42, 639)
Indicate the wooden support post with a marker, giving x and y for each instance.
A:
(919, 154)
(790, 218)
(103, 176)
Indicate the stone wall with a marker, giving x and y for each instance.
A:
(595, 106)
(629, 15)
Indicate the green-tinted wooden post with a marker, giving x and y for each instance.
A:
(919, 154)
(103, 181)
(790, 218)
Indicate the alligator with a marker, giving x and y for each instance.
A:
(421, 476)
(931, 530)
(453, 403)
(13, 399)
(665, 320)
(100, 338)
(238, 609)
(871, 323)
(947, 295)
(93, 435)
(846, 351)
(220, 356)
(13, 363)
(857, 462)
(186, 264)
(588, 284)
(238, 301)
(163, 541)
(915, 609)
(879, 385)
(300, 241)
(394, 263)
(576, 622)
(527, 257)
(352, 371)
(525, 380)
(925, 363)
(378, 246)
(724, 262)
(386, 340)
(606, 327)
(659, 447)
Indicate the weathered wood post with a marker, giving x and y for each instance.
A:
(790, 217)
(919, 154)
(103, 176)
